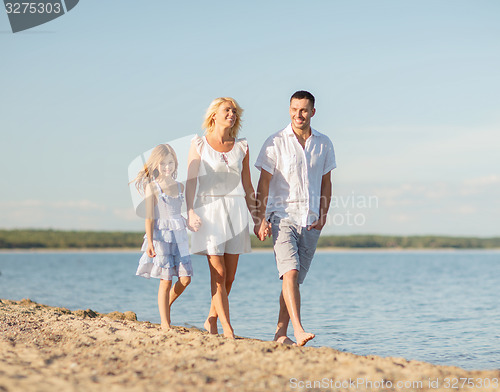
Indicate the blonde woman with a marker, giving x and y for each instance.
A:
(219, 177)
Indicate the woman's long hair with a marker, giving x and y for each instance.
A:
(209, 122)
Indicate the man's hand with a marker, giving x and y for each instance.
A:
(263, 230)
(317, 224)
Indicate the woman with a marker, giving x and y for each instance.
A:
(218, 164)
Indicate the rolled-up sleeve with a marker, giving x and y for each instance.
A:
(267, 157)
(330, 162)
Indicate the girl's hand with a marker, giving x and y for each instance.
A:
(151, 251)
(193, 221)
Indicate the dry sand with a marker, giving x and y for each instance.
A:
(45, 348)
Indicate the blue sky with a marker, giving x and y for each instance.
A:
(406, 90)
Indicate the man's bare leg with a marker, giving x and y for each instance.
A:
(291, 296)
(283, 321)
(231, 263)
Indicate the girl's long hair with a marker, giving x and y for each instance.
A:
(150, 171)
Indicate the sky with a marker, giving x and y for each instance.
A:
(406, 90)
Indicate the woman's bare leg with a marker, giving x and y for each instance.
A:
(163, 303)
(231, 264)
(219, 294)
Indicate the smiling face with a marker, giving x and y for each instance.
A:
(301, 112)
(226, 115)
(167, 166)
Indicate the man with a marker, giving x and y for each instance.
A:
(295, 185)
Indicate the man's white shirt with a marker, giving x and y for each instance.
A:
(295, 187)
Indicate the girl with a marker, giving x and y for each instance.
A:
(166, 249)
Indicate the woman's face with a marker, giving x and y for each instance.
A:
(167, 166)
(226, 115)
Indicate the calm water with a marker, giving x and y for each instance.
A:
(439, 307)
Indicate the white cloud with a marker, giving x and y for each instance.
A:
(433, 207)
(402, 218)
(482, 181)
(466, 209)
(416, 154)
(82, 205)
(126, 214)
(66, 214)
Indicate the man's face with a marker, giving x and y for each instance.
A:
(301, 111)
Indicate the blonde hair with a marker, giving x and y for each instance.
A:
(209, 122)
(150, 171)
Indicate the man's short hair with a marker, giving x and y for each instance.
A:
(303, 95)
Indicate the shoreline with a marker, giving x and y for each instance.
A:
(255, 250)
(53, 348)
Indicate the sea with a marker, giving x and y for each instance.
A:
(440, 307)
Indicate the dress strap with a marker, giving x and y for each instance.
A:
(158, 186)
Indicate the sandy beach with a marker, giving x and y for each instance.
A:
(45, 348)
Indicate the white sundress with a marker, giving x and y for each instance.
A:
(220, 201)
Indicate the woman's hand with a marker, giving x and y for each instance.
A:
(193, 221)
(263, 230)
(151, 250)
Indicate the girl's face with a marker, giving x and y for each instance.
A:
(167, 166)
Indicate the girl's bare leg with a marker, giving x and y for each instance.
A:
(163, 303)
(178, 288)
(219, 293)
(231, 264)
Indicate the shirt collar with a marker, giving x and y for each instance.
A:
(289, 131)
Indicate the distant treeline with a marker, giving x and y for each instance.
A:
(58, 239)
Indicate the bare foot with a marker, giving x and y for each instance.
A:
(211, 325)
(303, 338)
(229, 335)
(165, 326)
(229, 332)
(284, 340)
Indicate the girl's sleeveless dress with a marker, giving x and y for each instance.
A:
(220, 201)
(170, 241)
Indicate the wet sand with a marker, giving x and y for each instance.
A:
(45, 348)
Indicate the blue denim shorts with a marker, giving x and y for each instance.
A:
(294, 246)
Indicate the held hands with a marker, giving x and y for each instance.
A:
(263, 230)
(193, 221)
